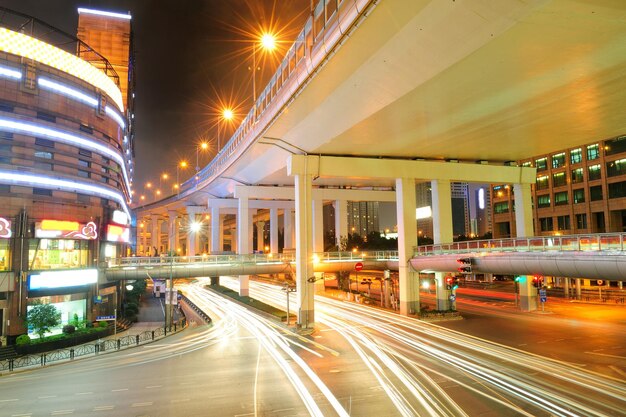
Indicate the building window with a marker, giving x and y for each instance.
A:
(576, 156)
(502, 207)
(543, 201)
(615, 168)
(42, 191)
(594, 172)
(578, 195)
(615, 146)
(43, 166)
(83, 163)
(581, 221)
(595, 193)
(545, 223)
(562, 223)
(43, 154)
(577, 175)
(84, 152)
(617, 189)
(526, 164)
(83, 198)
(559, 179)
(5, 252)
(46, 116)
(541, 164)
(560, 198)
(86, 128)
(542, 182)
(593, 152)
(558, 160)
(58, 254)
(83, 174)
(44, 142)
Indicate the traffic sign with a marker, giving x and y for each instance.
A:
(600, 282)
(105, 318)
(543, 298)
(452, 297)
(542, 293)
(358, 266)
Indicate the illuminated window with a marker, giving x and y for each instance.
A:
(502, 207)
(5, 262)
(578, 195)
(615, 146)
(43, 154)
(615, 168)
(577, 175)
(543, 201)
(576, 156)
(561, 198)
(593, 152)
(594, 172)
(526, 164)
(559, 179)
(541, 164)
(542, 182)
(558, 160)
(58, 254)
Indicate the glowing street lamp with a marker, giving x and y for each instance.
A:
(227, 115)
(182, 164)
(267, 42)
(204, 146)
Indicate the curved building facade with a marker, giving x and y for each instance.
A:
(66, 162)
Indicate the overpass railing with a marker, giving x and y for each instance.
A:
(601, 242)
(259, 259)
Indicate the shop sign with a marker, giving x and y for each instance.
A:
(62, 229)
(60, 279)
(118, 233)
(120, 217)
(5, 228)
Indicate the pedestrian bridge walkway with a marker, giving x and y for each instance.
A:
(594, 256)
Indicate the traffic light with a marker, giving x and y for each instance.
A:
(455, 283)
(466, 265)
(537, 281)
(449, 282)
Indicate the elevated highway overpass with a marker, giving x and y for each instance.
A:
(376, 95)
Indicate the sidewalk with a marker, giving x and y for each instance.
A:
(151, 316)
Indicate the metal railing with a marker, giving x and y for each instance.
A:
(600, 242)
(92, 348)
(269, 258)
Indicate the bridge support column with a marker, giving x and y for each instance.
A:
(288, 229)
(527, 294)
(273, 230)
(523, 210)
(155, 234)
(172, 232)
(318, 226)
(341, 221)
(260, 236)
(442, 231)
(566, 285)
(192, 236)
(407, 239)
(216, 230)
(244, 233)
(579, 294)
(304, 250)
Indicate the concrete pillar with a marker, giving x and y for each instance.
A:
(154, 234)
(172, 228)
(566, 284)
(288, 229)
(527, 293)
(243, 241)
(442, 231)
(192, 238)
(318, 226)
(260, 233)
(274, 230)
(220, 233)
(341, 221)
(407, 239)
(523, 210)
(232, 232)
(304, 251)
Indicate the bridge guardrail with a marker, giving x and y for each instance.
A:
(599, 242)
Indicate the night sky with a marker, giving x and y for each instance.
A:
(192, 58)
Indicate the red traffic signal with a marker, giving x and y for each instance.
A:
(449, 281)
(466, 265)
(537, 281)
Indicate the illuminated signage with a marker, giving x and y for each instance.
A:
(5, 228)
(66, 230)
(423, 212)
(60, 279)
(22, 45)
(117, 233)
(120, 217)
(481, 198)
(104, 13)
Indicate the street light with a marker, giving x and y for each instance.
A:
(228, 115)
(204, 146)
(267, 42)
(183, 165)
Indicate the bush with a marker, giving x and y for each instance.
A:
(132, 307)
(69, 329)
(102, 324)
(88, 324)
(22, 340)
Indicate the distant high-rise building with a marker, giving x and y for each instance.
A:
(479, 209)
(460, 213)
(363, 217)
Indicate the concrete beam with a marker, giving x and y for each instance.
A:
(288, 193)
(346, 167)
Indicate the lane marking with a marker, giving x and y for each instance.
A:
(43, 397)
(61, 412)
(606, 354)
(9, 400)
(103, 408)
(559, 340)
(619, 371)
(119, 390)
(84, 393)
(22, 415)
(153, 386)
(145, 404)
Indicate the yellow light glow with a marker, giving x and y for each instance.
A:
(165, 176)
(316, 259)
(204, 145)
(22, 45)
(158, 192)
(183, 164)
(59, 225)
(268, 41)
(227, 114)
(176, 186)
(143, 197)
(148, 185)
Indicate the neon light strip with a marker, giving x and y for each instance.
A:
(31, 180)
(22, 45)
(60, 136)
(10, 72)
(47, 84)
(103, 13)
(113, 115)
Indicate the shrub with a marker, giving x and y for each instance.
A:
(102, 324)
(22, 339)
(88, 324)
(69, 329)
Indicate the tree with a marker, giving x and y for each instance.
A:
(42, 317)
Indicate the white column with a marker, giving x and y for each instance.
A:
(523, 210)
(243, 235)
(341, 221)
(172, 232)
(260, 242)
(191, 236)
(274, 230)
(407, 239)
(318, 226)
(216, 229)
(304, 251)
(221, 233)
(154, 234)
(288, 229)
(442, 231)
